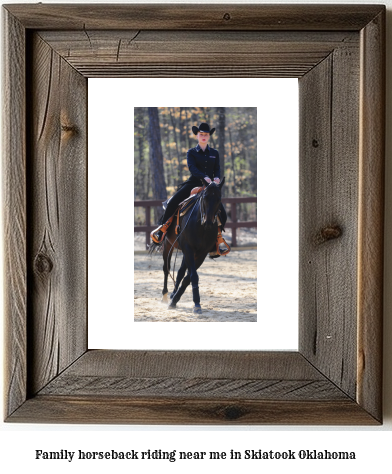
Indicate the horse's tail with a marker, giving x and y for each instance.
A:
(155, 248)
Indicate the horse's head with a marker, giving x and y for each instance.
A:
(210, 203)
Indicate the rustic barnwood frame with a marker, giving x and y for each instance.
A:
(337, 53)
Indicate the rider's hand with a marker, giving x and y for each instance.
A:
(217, 180)
(207, 179)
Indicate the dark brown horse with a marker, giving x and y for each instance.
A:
(197, 237)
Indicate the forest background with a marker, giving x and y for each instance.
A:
(163, 135)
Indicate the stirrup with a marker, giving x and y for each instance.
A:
(154, 236)
(221, 240)
(163, 228)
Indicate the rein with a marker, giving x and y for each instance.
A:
(178, 236)
(203, 218)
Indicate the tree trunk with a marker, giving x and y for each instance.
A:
(232, 164)
(173, 122)
(221, 111)
(182, 128)
(156, 159)
(141, 188)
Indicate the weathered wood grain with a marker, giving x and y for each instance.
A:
(191, 387)
(179, 374)
(191, 17)
(57, 215)
(329, 167)
(336, 376)
(166, 387)
(182, 54)
(371, 216)
(224, 71)
(14, 207)
(209, 364)
(156, 411)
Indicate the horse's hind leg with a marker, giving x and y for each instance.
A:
(179, 290)
(167, 253)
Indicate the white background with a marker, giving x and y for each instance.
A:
(111, 215)
(372, 444)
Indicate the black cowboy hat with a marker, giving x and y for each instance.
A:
(203, 127)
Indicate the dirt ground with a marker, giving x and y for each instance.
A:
(228, 289)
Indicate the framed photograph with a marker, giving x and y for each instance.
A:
(337, 53)
(172, 148)
(230, 286)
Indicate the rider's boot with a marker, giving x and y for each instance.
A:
(159, 233)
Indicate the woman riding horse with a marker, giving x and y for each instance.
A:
(203, 163)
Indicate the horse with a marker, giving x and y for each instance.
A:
(197, 235)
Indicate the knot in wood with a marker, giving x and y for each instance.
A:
(315, 143)
(232, 412)
(328, 233)
(70, 129)
(227, 16)
(43, 264)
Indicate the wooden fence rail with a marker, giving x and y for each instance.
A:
(232, 224)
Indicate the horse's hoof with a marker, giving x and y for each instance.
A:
(165, 299)
(171, 305)
(197, 309)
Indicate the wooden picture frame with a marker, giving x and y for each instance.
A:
(338, 54)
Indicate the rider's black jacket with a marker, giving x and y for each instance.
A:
(203, 163)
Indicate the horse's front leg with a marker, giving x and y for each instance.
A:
(185, 282)
(179, 290)
(180, 276)
(195, 284)
(194, 278)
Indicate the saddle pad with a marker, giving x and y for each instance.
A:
(187, 204)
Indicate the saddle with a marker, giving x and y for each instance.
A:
(181, 210)
(186, 205)
(194, 191)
